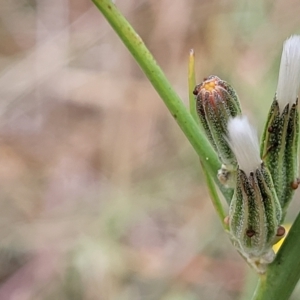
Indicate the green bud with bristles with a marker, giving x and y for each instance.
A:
(255, 212)
(279, 147)
(216, 103)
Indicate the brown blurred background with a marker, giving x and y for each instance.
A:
(101, 196)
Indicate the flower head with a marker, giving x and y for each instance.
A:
(255, 212)
(217, 102)
(289, 72)
(243, 141)
(280, 139)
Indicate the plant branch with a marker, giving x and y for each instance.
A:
(283, 274)
(159, 81)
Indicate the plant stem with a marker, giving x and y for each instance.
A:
(283, 274)
(159, 81)
(215, 197)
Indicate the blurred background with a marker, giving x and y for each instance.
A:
(101, 195)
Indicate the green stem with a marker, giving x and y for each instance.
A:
(283, 274)
(215, 197)
(159, 81)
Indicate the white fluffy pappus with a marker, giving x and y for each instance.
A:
(242, 138)
(289, 72)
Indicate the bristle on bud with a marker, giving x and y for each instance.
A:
(289, 72)
(242, 138)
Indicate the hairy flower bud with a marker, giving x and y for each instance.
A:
(216, 102)
(279, 147)
(255, 212)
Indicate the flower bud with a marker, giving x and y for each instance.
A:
(279, 147)
(255, 212)
(216, 102)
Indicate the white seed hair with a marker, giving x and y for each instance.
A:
(242, 138)
(289, 72)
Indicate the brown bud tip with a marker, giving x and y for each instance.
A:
(250, 233)
(295, 184)
(216, 93)
(280, 231)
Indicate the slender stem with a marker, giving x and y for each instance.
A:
(159, 81)
(283, 274)
(215, 197)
